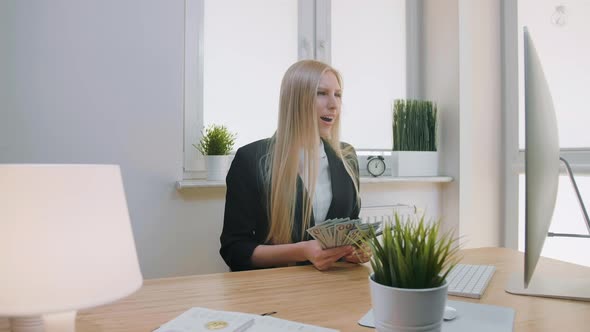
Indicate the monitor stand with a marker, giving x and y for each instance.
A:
(580, 201)
(560, 288)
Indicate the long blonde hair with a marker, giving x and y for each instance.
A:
(297, 130)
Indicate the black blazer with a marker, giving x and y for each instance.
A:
(245, 222)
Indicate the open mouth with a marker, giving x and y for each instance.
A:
(327, 118)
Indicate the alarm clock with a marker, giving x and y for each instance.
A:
(376, 165)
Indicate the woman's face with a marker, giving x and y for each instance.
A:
(327, 103)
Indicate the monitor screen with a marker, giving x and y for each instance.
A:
(541, 182)
(541, 157)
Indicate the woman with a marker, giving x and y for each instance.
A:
(279, 187)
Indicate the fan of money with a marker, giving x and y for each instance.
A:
(339, 232)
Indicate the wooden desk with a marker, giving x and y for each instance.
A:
(335, 299)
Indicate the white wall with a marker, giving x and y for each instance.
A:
(481, 114)
(101, 82)
(440, 83)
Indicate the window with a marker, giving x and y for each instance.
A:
(567, 218)
(368, 48)
(558, 32)
(237, 52)
(248, 45)
(564, 55)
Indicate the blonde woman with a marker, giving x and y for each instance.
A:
(303, 175)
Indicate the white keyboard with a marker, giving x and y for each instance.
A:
(469, 280)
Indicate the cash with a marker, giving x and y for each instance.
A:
(339, 232)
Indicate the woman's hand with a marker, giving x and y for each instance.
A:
(360, 254)
(322, 259)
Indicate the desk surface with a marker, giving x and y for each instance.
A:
(336, 298)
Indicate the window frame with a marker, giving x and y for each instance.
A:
(314, 38)
(314, 35)
(193, 161)
(579, 158)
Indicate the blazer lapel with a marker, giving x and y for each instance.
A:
(296, 232)
(338, 181)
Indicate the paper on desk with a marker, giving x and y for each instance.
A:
(206, 320)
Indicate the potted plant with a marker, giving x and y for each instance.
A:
(414, 138)
(215, 145)
(410, 262)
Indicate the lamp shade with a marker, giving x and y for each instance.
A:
(65, 239)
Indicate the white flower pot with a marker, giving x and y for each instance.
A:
(414, 163)
(217, 167)
(408, 310)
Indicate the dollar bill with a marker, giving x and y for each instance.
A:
(339, 232)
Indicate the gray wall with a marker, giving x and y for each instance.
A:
(102, 82)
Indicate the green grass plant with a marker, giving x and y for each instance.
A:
(414, 125)
(217, 140)
(411, 253)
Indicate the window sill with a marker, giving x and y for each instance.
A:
(187, 184)
(407, 179)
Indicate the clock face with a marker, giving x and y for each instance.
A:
(376, 166)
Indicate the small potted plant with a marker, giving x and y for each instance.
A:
(216, 144)
(410, 262)
(414, 138)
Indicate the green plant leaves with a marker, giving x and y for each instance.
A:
(414, 125)
(216, 140)
(411, 253)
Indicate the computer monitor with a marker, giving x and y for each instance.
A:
(542, 161)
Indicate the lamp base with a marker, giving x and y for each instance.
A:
(58, 322)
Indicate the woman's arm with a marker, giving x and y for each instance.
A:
(244, 218)
(283, 254)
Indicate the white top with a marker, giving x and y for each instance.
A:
(323, 188)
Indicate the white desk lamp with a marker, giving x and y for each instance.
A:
(65, 243)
